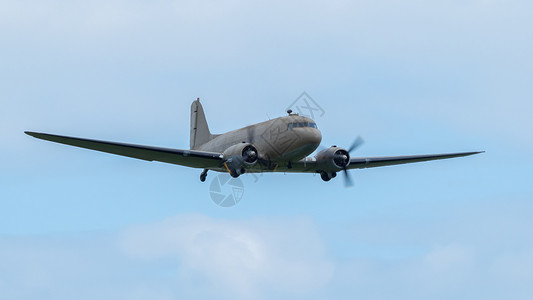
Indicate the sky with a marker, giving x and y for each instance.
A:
(410, 77)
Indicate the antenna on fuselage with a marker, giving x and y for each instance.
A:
(289, 111)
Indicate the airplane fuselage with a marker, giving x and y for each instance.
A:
(281, 140)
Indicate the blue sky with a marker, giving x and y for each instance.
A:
(411, 78)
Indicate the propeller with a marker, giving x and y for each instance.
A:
(250, 134)
(250, 138)
(250, 154)
(356, 144)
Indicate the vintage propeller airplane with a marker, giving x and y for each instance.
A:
(278, 145)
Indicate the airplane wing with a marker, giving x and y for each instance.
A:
(310, 166)
(189, 158)
(371, 162)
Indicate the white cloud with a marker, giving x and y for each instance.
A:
(195, 256)
(453, 271)
(183, 256)
(244, 257)
(472, 249)
(443, 258)
(515, 269)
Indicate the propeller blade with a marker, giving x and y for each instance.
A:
(347, 179)
(250, 134)
(356, 144)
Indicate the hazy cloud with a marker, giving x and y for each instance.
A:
(180, 256)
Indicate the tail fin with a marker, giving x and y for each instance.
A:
(200, 133)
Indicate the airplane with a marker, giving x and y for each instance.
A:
(278, 145)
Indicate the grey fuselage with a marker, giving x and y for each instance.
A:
(276, 141)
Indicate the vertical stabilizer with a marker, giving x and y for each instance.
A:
(200, 133)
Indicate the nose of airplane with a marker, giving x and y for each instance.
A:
(305, 141)
(314, 137)
(310, 137)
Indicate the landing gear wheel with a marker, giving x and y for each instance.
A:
(203, 176)
(325, 176)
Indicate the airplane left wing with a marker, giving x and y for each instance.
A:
(189, 158)
(371, 162)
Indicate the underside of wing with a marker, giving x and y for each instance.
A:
(371, 162)
(189, 158)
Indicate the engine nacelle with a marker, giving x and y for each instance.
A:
(333, 159)
(239, 157)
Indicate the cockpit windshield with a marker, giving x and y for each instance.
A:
(302, 124)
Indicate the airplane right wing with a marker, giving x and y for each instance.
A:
(189, 158)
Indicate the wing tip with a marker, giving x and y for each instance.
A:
(38, 135)
(470, 153)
